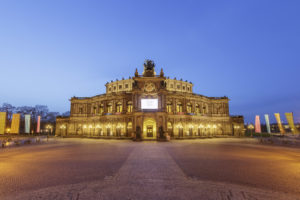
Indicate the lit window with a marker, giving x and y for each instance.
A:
(109, 108)
(169, 107)
(129, 126)
(101, 109)
(189, 108)
(204, 110)
(197, 108)
(129, 106)
(119, 107)
(179, 107)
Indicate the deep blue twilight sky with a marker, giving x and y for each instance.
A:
(246, 50)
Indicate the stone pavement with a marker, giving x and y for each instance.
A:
(151, 173)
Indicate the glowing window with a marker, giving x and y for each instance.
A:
(109, 108)
(189, 108)
(169, 107)
(119, 107)
(179, 107)
(129, 106)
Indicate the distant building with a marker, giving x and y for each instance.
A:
(149, 106)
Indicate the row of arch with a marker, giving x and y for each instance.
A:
(120, 129)
(108, 107)
(123, 129)
(171, 107)
(197, 108)
(191, 130)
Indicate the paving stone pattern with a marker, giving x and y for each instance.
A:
(151, 173)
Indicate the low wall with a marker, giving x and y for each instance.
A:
(12, 141)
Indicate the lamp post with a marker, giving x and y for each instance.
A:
(251, 127)
(49, 129)
(62, 127)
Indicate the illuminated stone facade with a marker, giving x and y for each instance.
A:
(176, 112)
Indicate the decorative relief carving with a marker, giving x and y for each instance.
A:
(149, 87)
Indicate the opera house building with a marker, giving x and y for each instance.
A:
(149, 106)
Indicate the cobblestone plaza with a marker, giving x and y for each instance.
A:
(112, 169)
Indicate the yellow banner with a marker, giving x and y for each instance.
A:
(290, 119)
(2, 122)
(15, 124)
(281, 129)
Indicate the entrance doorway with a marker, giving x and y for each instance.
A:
(149, 131)
(149, 128)
(118, 131)
(180, 131)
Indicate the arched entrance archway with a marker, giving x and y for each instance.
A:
(149, 129)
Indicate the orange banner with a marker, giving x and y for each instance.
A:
(290, 119)
(281, 129)
(15, 124)
(2, 122)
